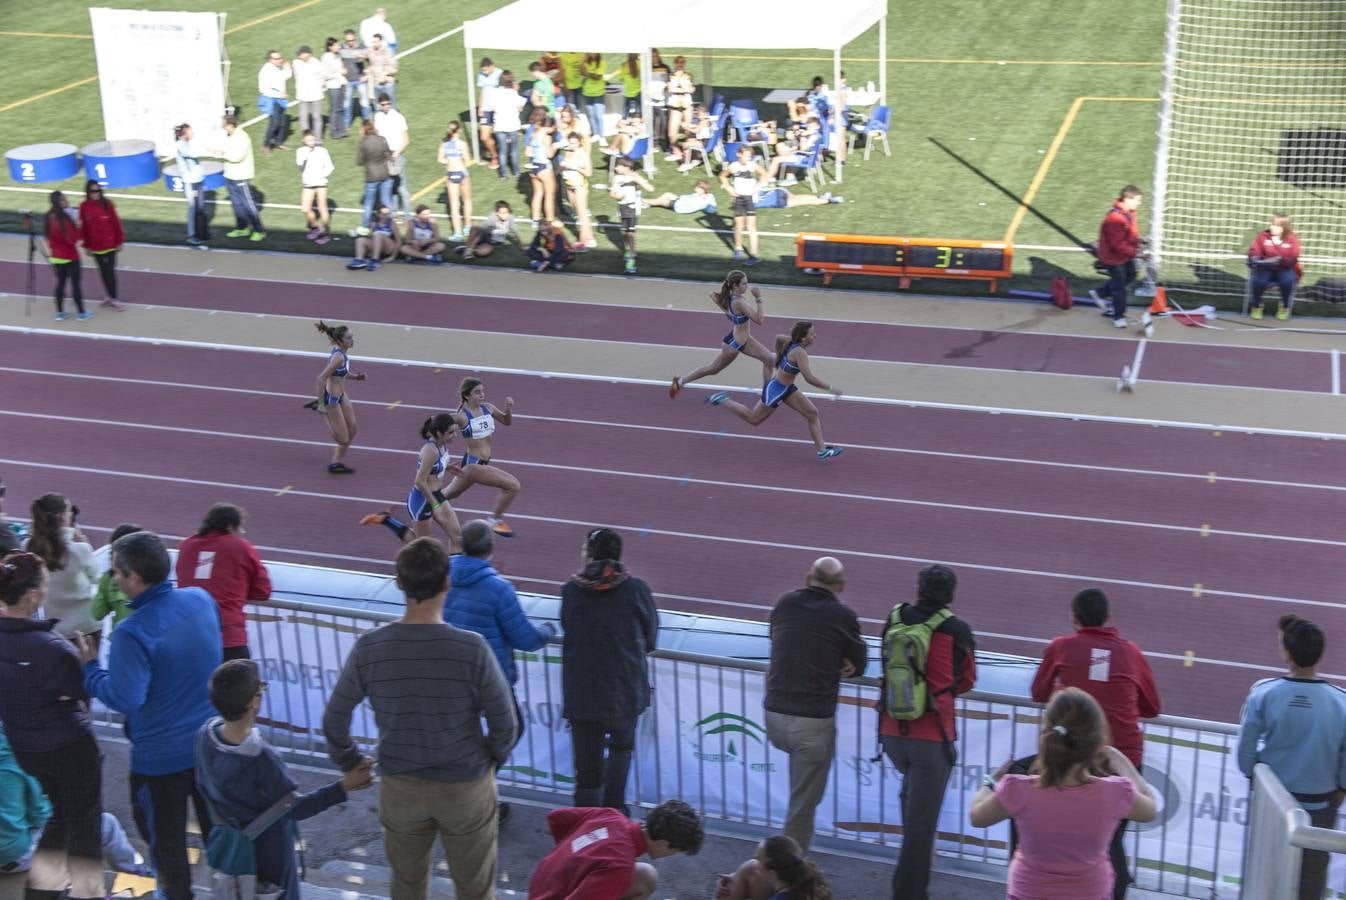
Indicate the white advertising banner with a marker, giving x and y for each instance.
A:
(704, 739)
(157, 70)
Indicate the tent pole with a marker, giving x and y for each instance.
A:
(472, 108)
(707, 80)
(838, 114)
(883, 58)
(646, 109)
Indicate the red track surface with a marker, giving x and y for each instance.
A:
(1244, 367)
(720, 519)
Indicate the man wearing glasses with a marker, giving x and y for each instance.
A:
(271, 82)
(158, 675)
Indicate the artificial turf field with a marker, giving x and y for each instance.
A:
(993, 102)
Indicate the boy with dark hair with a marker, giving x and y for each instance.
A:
(626, 187)
(1118, 247)
(242, 776)
(596, 851)
(1296, 724)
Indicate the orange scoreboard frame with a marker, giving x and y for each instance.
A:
(903, 257)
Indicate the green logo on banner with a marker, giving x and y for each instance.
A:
(731, 748)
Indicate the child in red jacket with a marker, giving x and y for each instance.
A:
(1118, 246)
(61, 234)
(103, 238)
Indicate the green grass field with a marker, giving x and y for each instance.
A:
(979, 93)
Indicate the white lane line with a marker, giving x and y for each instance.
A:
(1185, 589)
(618, 379)
(1336, 371)
(1140, 358)
(708, 482)
(739, 436)
(755, 607)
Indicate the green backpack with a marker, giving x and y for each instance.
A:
(905, 650)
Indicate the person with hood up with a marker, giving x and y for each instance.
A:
(480, 600)
(610, 625)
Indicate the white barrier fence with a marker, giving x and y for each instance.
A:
(704, 740)
(1278, 834)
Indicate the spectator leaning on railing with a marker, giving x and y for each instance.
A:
(815, 642)
(1296, 724)
(222, 562)
(157, 676)
(1099, 661)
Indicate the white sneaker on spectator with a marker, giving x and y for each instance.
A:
(1119, 323)
(672, 157)
(1099, 301)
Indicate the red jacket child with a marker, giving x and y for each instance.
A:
(227, 567)
(1119, 235)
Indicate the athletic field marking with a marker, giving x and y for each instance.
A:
(46, 34)
(722, 433)
(51, 93)
(1140, 358)
(618, 379)
(756, 607)
(1043, 167)
(719, 539)
(441, 180)
(1336, 371)
(269, 16)
(1203, 530)
(914, 60)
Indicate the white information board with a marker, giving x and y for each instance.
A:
(157, 70)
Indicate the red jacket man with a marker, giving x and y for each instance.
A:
(1100, 662)
(227, 567)
(1119, 235)
(597, 847)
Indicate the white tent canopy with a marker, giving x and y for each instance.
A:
(614, 26)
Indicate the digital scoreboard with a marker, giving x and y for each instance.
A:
(904, 258)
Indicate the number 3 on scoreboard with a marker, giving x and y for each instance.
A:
(945, 255)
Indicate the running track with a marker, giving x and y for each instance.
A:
(719, 519)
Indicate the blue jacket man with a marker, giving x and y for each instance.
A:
(158, 676)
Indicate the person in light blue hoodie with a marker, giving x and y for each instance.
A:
(24, 811)
(242, 776)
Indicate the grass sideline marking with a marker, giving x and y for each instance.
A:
(1041, 175)
(269, 16)
(45, 34)
(916, 60)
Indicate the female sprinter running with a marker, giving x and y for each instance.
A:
(477, 420)
(792, 360)
(332, 401)
(732, 300)
(426, 499)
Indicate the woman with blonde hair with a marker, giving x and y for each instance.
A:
(1068, 806)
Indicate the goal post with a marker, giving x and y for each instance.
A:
(1252, 122)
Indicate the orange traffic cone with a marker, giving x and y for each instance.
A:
(1160, 305)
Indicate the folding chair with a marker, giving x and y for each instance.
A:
(713, 145)
(639, 151)
(874, 128)
(746, 122)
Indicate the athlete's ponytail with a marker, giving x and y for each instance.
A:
(786, 861)
(725, 294)
(335, 333)
(797, 334)
(437, 425)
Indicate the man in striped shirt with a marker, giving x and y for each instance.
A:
(430, 685)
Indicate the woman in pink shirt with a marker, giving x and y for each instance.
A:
(1066, 809)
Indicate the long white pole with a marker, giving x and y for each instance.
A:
(647, 108)
(838, 114)
(472, 107)
(883, 58)
(1166, 108)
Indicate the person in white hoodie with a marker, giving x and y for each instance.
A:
(308, 89)
(70, 567)
(236, 150)
(315, 168)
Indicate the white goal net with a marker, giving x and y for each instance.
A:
(1252, 122)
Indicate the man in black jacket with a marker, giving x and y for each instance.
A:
(815, 642)
(610, 625)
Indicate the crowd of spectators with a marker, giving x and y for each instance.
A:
(440, 683)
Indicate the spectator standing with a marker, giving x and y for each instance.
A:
(308, 89)
(68, 557)
(108, 599)
(430, 685)
(577, 168)
(571, 76)
(372, 155)
(1064, 814)
(378, 24)
(353, 56)
(334, 85)
(542, 95)
(239, 169)
(242, 777)
(61, 234)
(626, 187)
(23, 815)
(315, 168)
(1118, 246)
(157, 676)
(815, 642)
(392, 126)
(381, 71)
(597, 851)
(188, 156)
(220, 561)
(593, 82)
(507, 105)
(103, 238)
(629, 70)
(480, 600)
(488, 79)
(1274, 259)
(454, 157)
(272, 90)
(12, 533)
(1296, 724)
(45, 713)
(923, 748)
(1099, 661)
(610, 625)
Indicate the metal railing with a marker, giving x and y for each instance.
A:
(1279, 831)
(703, 739)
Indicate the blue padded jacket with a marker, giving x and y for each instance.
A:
(480, 600)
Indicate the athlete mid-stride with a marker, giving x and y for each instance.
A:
(477, 420)
(426, 500)
(732, 299)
